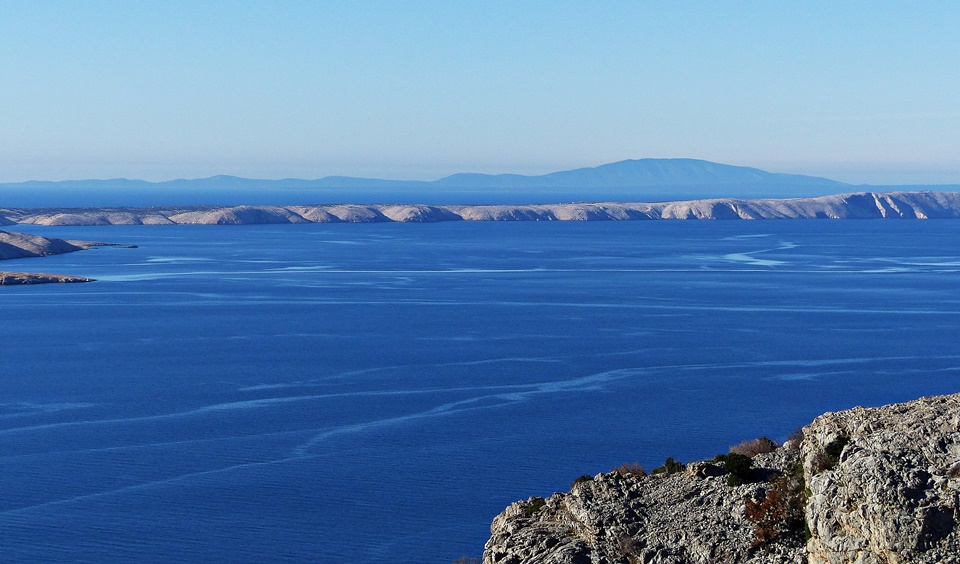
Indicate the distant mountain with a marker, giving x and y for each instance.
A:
(630, 180)
(631, 174)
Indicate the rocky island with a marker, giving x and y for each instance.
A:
(866, 485)
(21, 245)
(860, 205)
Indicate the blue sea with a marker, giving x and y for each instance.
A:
(379, 392)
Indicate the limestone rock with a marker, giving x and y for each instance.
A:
(892, 493)
(419, 214)
(239, 215)
(880, 485)
(619, 517)
(862, 205)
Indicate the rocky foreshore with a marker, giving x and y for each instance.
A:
(15, 245)
(26, 278)
(862, 205)
(22, 245)
(866, 485)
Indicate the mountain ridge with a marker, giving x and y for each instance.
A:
(625, 173)
(632, 180)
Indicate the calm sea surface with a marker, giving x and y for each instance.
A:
(378, 393)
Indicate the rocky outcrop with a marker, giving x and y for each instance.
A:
(892, 492)
(863, 205)
(623, 517)
(28, 278)
(21, 245)
(878, 485)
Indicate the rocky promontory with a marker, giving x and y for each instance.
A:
(28, 278)
(21, 245)
(866, 485)
(861, 205)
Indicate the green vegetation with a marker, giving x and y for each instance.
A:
(739, 469)
(830, 456)
(534, 507)
(670, 466)
(835, 449)
(581, 480)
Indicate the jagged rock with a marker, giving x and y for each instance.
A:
(892, 495)
(883, 487)
(686, 517)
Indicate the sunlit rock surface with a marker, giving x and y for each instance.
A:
(864, 205)
(881, 485)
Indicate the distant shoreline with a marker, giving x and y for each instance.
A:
(859, 205)
(862, 205)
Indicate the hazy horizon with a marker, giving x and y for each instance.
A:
(855, 92)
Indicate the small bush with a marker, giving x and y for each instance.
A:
(581, 480)
(752, 448)
(835, 449)
(633, 469)
(468, 560)
(739, 468)
(535, 506)
(670, 466)
(779, 513)
(829, 457)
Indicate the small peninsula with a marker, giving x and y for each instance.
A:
(21, 245)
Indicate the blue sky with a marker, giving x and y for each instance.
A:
(864, 92)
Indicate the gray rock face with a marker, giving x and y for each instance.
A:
(688, 517)
(882, 486)
(893, 494)
(864, 205)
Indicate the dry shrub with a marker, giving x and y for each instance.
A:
(756, 446)
(670, 466)
(779, 513)
(632, 469)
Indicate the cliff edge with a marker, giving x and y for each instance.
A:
(866, 485)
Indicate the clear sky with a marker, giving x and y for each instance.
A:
(864, 92)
